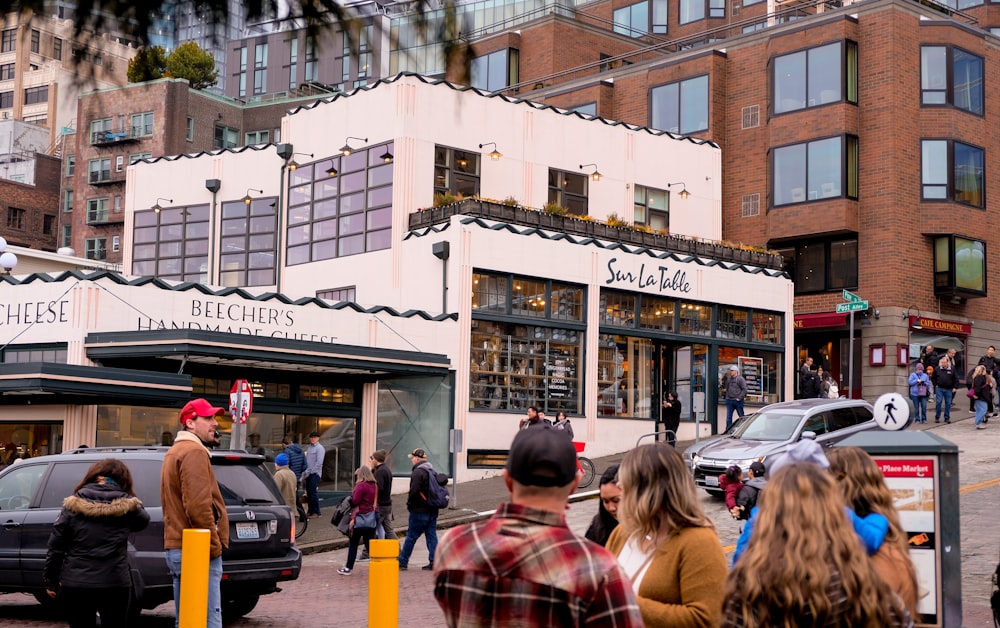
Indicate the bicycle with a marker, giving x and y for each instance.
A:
(585, 466)
(303, 520)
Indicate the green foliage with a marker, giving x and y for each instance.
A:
(447, 198)
(510, 201)
(148, 65)
(190, 62)
(555, 209)
(614, 220)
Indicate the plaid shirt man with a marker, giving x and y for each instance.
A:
(525, 567)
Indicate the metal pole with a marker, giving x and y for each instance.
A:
(850, 359)
(195, 549)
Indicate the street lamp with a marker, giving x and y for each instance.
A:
(7, 259)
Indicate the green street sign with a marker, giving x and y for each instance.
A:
(850, 297)
(857, 306)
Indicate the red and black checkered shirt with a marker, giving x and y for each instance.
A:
(525, 567)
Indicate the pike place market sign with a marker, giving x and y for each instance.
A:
(662, 278)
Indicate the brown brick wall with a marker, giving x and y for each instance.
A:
(37, 201)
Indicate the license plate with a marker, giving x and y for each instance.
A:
(711, 480)
(247, 531)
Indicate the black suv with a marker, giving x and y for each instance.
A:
(261, 549)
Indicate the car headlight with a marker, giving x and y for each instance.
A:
(695, 458)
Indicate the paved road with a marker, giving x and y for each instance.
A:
(321, 597)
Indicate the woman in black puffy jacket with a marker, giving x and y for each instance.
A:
(87, 563)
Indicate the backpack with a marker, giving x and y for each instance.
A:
(437, 496)
(751, 501)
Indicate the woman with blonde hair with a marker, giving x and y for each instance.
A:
(665, 542)
(863, 486)
(364, 515)
(804, 565)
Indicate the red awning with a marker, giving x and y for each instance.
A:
(825, 319)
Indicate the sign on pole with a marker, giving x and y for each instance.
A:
(855, 306)
(850, 297)
(240, 401)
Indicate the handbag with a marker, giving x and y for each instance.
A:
(921, 389)
(971, 394)
(366, 521)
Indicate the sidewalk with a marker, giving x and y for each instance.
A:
(474, 500)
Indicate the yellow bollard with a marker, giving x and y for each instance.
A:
(195, 548)
(383, 584)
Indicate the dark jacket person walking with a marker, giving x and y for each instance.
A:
(87, 563)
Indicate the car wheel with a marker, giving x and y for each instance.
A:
(238, 606)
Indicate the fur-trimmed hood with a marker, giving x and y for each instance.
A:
(96, 501)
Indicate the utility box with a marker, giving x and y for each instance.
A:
(921, 471)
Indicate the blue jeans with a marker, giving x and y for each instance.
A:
(944, 399)
(214, 587)
(312, 492)
(919, 408)
(980, 411)
(420, 523)
(733, 404)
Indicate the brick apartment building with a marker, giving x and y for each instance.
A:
(29, 212)
(855, 141)
(122, 125)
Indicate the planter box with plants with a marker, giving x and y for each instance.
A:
(555, 218)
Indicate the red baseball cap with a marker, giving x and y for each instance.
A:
(199, 407)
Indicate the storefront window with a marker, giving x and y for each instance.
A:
(766, 328)
(28, 440)
(514, 366)
(762, 371)
(624, 376)
(618, 309)
(732, 324)
(414, 412)
(696, 319)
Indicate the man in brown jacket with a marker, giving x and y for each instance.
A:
(191, 498)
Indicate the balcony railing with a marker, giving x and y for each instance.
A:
(105, 177)
(107, 138)
(594, 229)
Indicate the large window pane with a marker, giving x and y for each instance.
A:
(624, 374)
(934, 75)
(968, 75)
(824, 75)
(969, 175)
(790, 82)
(934, 169)
(516, 365)
(790, 174)
(680, 107)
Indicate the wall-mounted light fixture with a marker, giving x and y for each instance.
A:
(346, 149)
(494, 154)
(7, 259)
(595, 175)
(293, 165)
(684, 191)
(249, 199)
(157, 207)
(386, 157)
(916, 319)
(331, 171)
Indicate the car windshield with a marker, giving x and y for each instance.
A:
(774, 425)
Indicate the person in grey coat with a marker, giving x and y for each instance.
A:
(735, 389)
